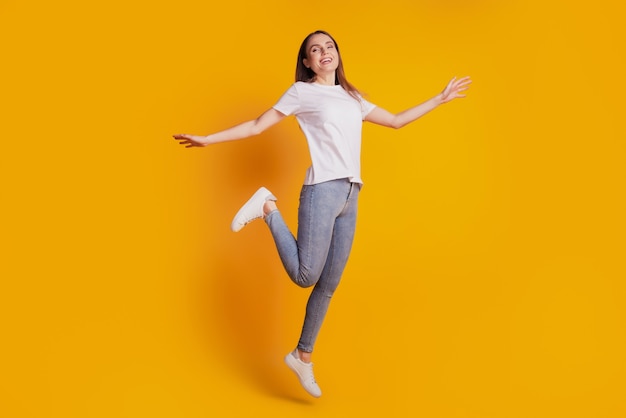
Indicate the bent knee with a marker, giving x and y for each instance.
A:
(306, 280)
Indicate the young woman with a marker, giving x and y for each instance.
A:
(330, 112)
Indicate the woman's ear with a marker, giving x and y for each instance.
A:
(306, 63)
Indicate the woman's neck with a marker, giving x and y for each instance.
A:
(325, 79)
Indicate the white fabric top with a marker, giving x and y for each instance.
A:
(332, 122)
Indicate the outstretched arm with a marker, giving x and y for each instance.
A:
(452, 91)
(243, 130)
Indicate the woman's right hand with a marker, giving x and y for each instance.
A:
(191, 140)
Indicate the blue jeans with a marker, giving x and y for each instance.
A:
(326, 225)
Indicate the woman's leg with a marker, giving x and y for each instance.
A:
(339, 251)
(321, 204)
(326, 225)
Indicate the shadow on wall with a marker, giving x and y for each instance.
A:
(241, 290)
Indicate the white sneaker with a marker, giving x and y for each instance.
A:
(304, 371)
(252, 209)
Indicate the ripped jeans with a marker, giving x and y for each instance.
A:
(326, 226)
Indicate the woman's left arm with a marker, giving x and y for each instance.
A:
(452, 91)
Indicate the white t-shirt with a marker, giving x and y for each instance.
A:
(332, 121)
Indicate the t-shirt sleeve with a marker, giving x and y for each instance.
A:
(366, 108)
(289, 103)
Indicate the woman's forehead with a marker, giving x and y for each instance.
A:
(319, 39)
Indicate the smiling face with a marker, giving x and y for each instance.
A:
(322, 56)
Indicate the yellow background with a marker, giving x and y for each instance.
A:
(487, 276)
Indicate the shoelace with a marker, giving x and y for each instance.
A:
(311, 375)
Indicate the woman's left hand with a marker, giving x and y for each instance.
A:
(454, 88)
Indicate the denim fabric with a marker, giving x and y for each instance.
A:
(326, 225)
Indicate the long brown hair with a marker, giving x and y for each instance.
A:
(307, 75)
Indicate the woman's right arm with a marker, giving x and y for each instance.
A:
(243, 130)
